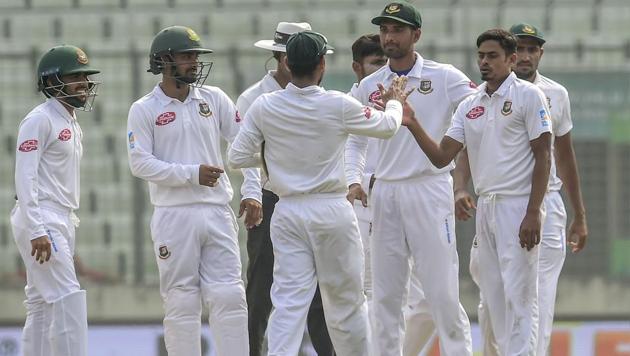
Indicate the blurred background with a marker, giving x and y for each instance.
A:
(587, 50)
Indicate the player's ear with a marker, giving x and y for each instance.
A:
(356, 67)
(542, 51)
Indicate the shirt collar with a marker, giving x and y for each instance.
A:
(537, 78)
(165, 99)
(415, 72)
(503, 88)
(311, 89)
(60, 109)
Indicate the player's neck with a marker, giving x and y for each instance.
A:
(281, 78)
(494, 85)
(403, 63)
(68, 107)
(176, 90)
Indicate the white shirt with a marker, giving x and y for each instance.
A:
(371, 154)
(47, 162)
(560, 110)
(439, 89)
(305, 131)
(497, 131)
(267, 84)
(168, 140)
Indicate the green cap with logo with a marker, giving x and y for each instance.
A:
(307, 47)
(527, 30)
(401, 12)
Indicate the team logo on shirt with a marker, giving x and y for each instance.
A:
(165, 118)
(132, 139)
(475, 112)
(163, 252)
(65, 135)
(374, 96)
(367, 112)
(204, 109)
(507, 108)
(237, 117)
(425, 87)
(28, 146)
(544, 117)
(392, 9)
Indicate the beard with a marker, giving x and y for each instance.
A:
(394, 52)
(524, 74)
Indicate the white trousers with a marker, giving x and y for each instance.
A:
(415, 218)
(196, 249)
(507, 273)
(364, 219)
(551, 260)
(50, 283)
(316, 238)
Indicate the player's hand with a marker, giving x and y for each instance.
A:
(409, 115)
(356, 192)
(578, 232)
(529, 232)
(464, 205)
(396, 90)
(209, 176)
(253, 210)
(40, 248)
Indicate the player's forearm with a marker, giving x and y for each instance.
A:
(568, 172)
(437, 154)
(163, 173)
(461, 173)
(540, 180)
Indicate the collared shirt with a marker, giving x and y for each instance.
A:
(439, 89)
(560, 110)
(371, 154)
(497, 131)
(267, 84)
(47, 162)
(305, 131)
(168, 140)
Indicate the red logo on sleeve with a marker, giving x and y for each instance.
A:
(375, 96)
(165, 118)
(65, 135)
(28, 146)
(367, 112)
(475, 112)
(237, 117)
(472, 84)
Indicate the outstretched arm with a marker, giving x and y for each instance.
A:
(439, 154)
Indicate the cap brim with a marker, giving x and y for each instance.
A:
(88, 71)
(540, 40)
(196, 50)
(378, 19)
(271, 45)
(330, 49)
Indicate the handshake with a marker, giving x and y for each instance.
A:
(397, 91)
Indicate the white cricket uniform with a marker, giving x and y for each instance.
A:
(313, 229)
(47, 170)
(497, 131)
(407, 183)
(553, 243)
(193, 228)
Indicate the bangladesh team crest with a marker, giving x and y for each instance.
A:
(425, 87)
(392, 9)
(163, 252)
(507, 108)
(204, 109)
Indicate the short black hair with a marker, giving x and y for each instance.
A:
(304, 69)
(506, 40)
(367, 45)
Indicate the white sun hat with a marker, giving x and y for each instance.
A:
(280, 38)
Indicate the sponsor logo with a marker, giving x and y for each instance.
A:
(81, 56)
(28, 146)
(367, 112)
(165, 118)
(425, 87)
(392, 9)
(163, 252)
(237, 117)
(544, 117)
(132, 139)
(204, 110)
(65, 135)
(374, 96)
(476, 112)
(507, 108)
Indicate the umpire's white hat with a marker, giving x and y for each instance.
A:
(280, 38)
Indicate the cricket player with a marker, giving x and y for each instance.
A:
(174, 136)
(47, 160)
(553, 243)
(259, 246)
(507, 130)
(314, 229)
(413, 211)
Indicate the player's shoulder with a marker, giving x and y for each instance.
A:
(548, 84)
(210, 91)
(251, 93)
(431, 67)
